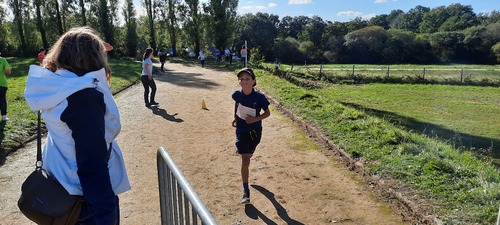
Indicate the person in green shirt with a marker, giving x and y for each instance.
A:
(4, 71)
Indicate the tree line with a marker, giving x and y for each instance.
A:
(445, 34)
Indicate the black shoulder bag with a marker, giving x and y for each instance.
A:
(44, 200)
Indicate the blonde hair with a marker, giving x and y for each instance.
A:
(80, 50)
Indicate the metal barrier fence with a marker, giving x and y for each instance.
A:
(498, 218)
(177, 196)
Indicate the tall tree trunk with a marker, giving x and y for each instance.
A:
(131, 24)
(82, 13)
(18, 19)
(58, 19)
(171, 25)
(194, 28)
(106, 24)
(39, 24)
(152, 31)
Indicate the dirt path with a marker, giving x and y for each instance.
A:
(293, 182)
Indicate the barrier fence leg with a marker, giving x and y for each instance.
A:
(498, 218)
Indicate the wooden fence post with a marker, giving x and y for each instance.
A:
(352, 71)
(423, 75)
(321, 68)
(462, 75)
(291, 68)
(388, 71)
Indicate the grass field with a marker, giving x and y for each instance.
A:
(461, 115)
(466, 188)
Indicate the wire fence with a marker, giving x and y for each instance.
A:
(489, 74)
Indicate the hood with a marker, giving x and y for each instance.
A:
(46, 89)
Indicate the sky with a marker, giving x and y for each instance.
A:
(339, 10)
(345, 10)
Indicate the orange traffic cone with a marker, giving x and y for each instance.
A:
(203, 105)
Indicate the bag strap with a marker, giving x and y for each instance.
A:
(39, 161)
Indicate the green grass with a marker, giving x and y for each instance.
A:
(466, 188)
(22, 121)
(462, 114)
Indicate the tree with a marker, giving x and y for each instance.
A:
(131, 39)
(489, 18)
(172, 24)
(335, 29)
(313, 31)
(17, 7)
(287, 51)
(394, 17)
(379, 20)
(334, 49)
(410, 21)
(433, 19)
(496, 51)
(148, 4)
(223, 14)
(459, 18)
(364, 45)
(292, 26)
(356, 24)
(3, 30)
(105, 21)
(400, 47)
(192, 23)
(446, 44)
(259, 30)
(39, 23)
(59, 22)
(82, 12)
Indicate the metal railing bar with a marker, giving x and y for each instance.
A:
(179, 186)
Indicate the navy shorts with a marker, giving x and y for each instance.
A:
(247, 142)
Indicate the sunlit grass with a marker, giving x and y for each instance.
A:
(464, 186)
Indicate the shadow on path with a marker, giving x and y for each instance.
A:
(194, 80)
(433, 130)
(163, 113)
(254, 213)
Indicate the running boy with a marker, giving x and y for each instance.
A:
(248, 122)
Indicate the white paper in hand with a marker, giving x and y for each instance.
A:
(242, 111)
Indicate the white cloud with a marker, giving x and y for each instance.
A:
(254, 9)
(299, 2)
(349, 13)
(260, 7)
(272, 5)
(380, 1)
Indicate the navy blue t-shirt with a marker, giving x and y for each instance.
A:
(254, 100)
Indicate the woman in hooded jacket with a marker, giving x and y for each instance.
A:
(82, 120)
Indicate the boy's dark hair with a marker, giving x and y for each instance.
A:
(41, 49)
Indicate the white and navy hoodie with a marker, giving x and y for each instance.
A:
(82, 121)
